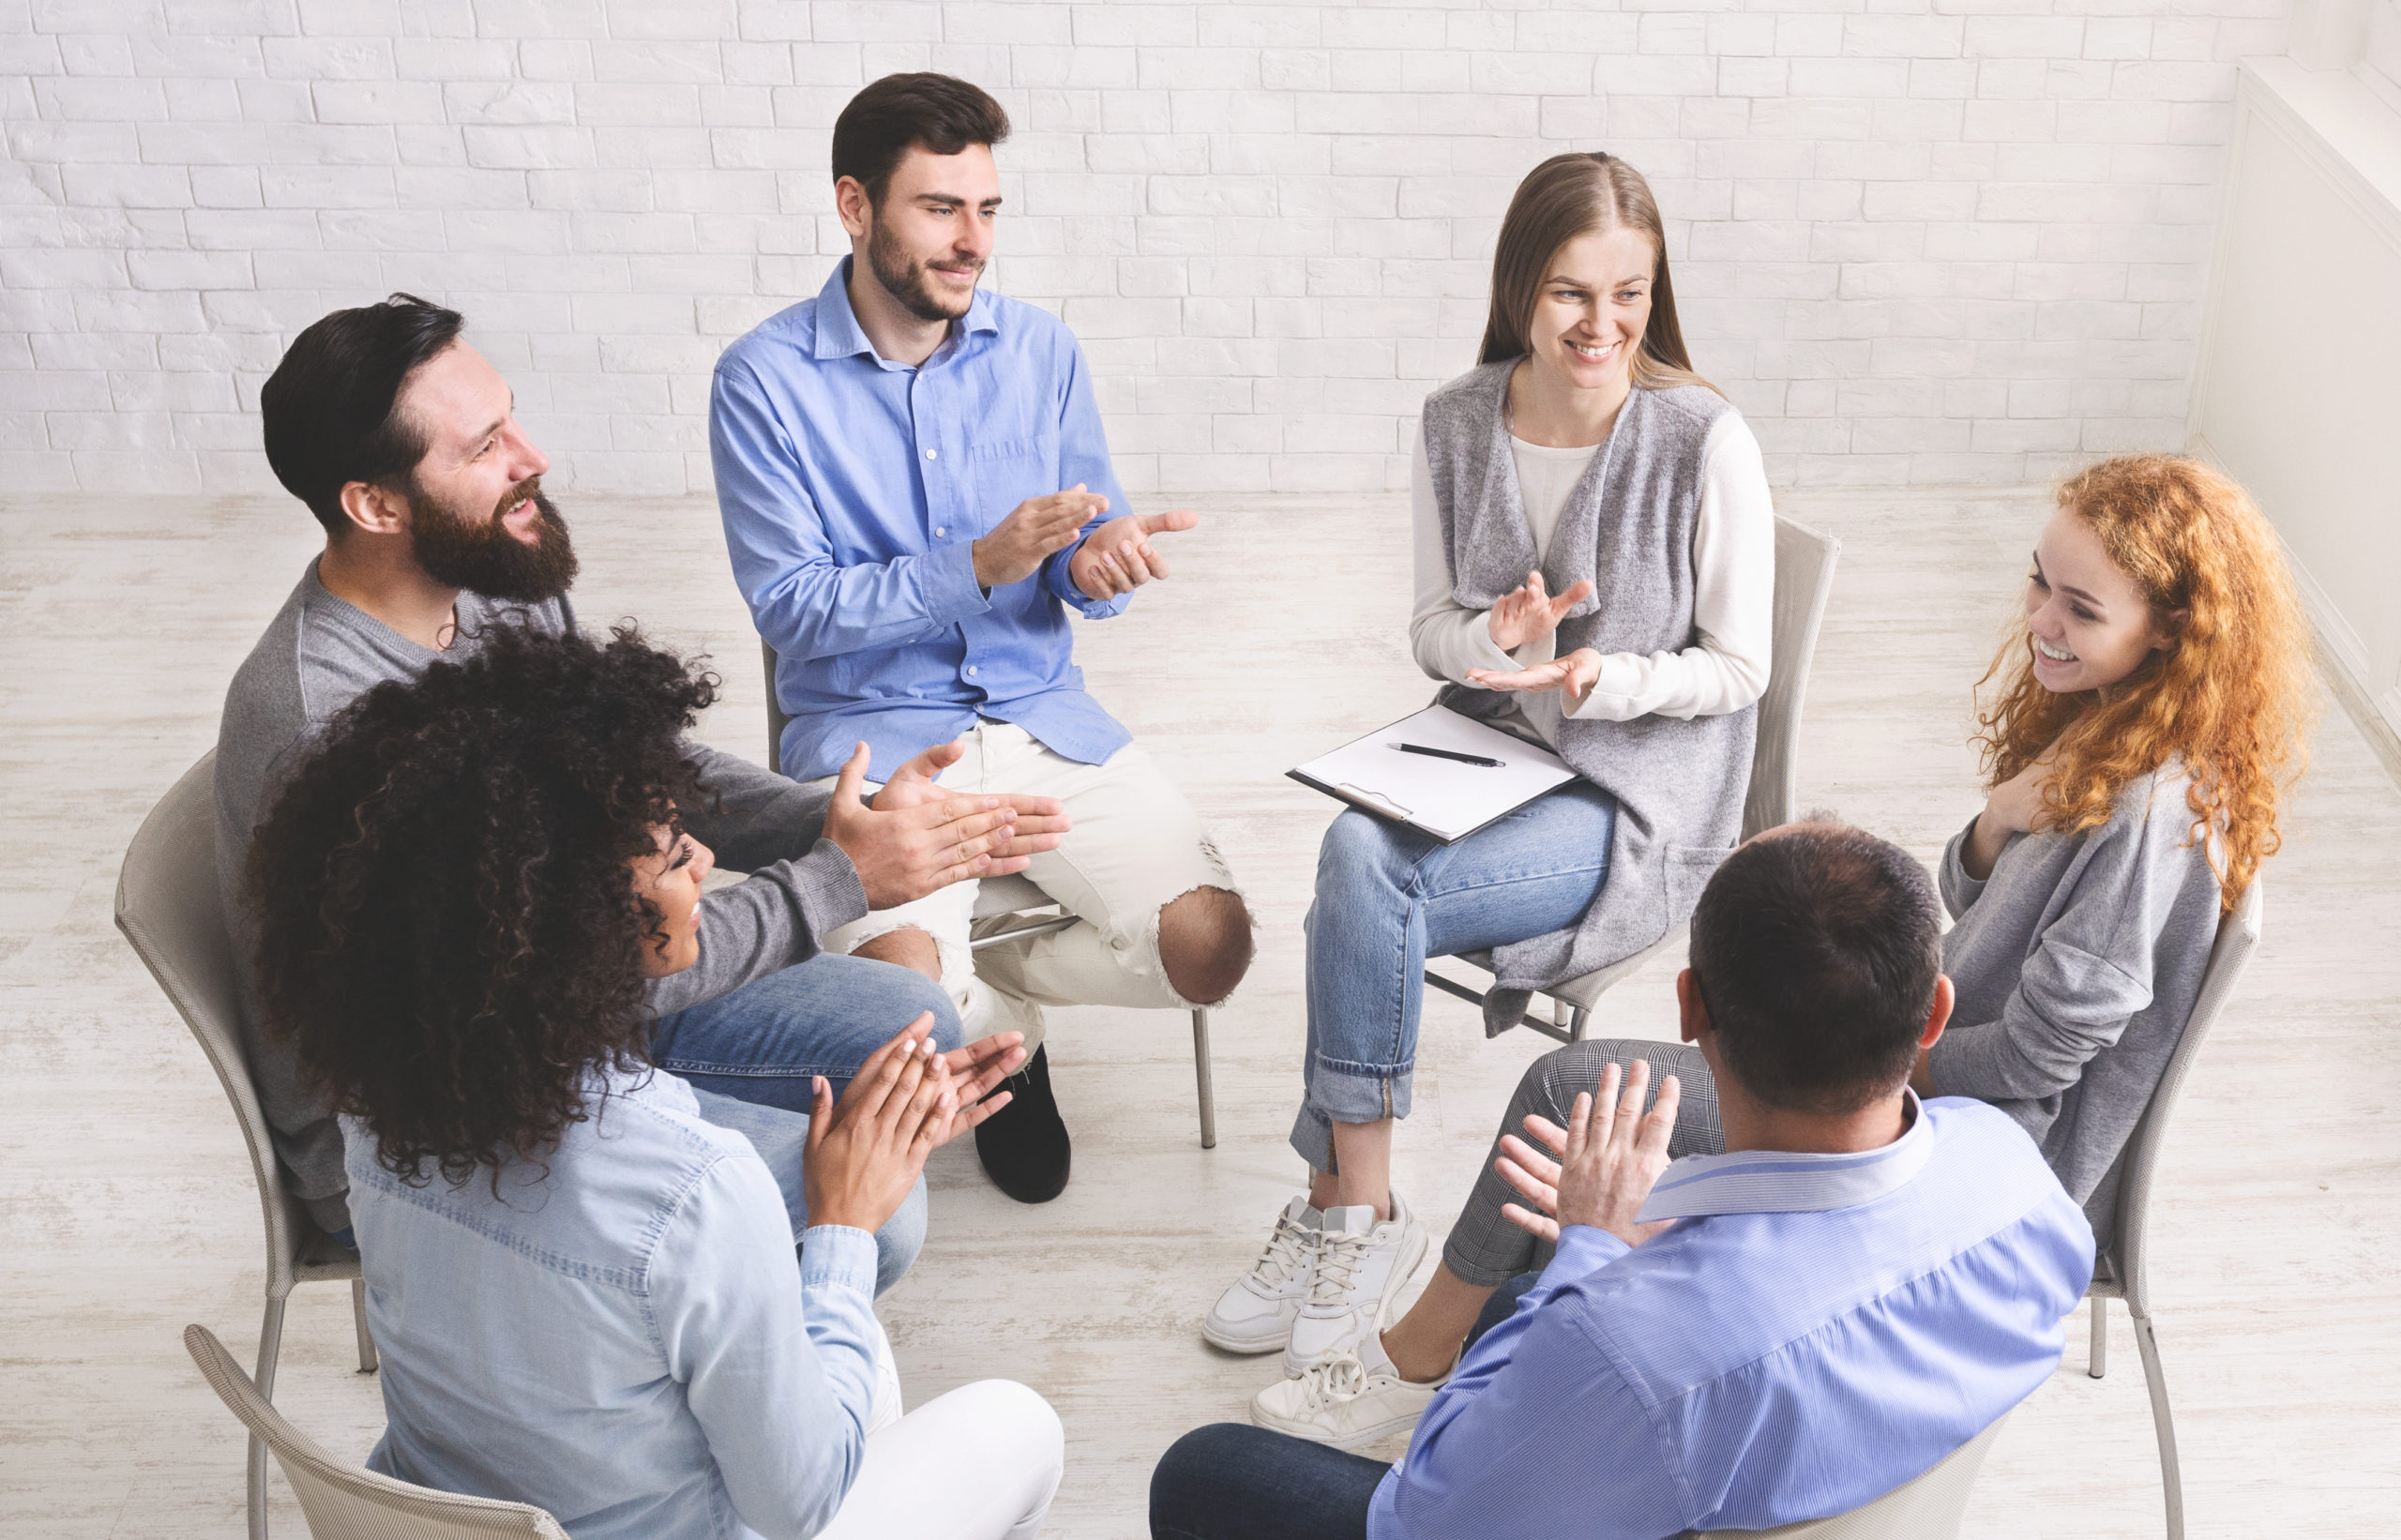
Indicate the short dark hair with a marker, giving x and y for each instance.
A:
(328, 406)
(1816, 953)
(448, 931)
(940, 112)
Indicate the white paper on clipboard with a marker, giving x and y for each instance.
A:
(1442, 798)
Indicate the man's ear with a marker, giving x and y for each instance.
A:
(1692, 1015)
(374, 509)
(856, 209)
(1939, 1016)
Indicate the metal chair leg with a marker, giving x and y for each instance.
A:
(1200, 1071)
(2098, 1360)
(2171, 1478)
(270, 1347)
(367, 1359)
(1582, 1020)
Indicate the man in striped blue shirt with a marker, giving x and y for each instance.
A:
(1861, 1284)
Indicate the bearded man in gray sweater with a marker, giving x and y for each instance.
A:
(401, 440)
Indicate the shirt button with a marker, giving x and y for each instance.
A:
(971, 671)
(940, 532)
(929, 454)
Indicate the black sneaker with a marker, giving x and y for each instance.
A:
(1024, 1146)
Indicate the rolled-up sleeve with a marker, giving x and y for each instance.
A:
(776, 1355)
(806, 604)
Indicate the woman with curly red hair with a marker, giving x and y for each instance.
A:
(2148, 718)
(2149, 712)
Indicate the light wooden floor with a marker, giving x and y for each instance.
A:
(128, 1207)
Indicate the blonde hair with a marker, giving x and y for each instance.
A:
(2230, 695)
(1565, 197)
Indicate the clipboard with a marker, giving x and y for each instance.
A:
(1443, 799)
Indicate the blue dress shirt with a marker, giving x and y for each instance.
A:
(852, 490)
(622, 1333)
(1817, 1330)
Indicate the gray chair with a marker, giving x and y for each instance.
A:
(1804, 575)
(1929, 1507)
(1013, 909)
(346, 1501)
(168, 906)
(2122, 1271)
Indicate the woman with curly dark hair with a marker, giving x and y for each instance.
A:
(587, 1292)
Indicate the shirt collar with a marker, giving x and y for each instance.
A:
(839, 335)
(1780, 1182)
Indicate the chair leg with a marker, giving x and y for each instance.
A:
(1576, 1028)
(1201, 1073)
(367, 1359)
(2171, 1478)
(2098, 1361)
(270, 1347)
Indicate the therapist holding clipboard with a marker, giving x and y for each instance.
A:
(1594, 570)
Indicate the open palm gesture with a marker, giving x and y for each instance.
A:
(1529, 612)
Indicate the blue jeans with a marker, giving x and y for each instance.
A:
(752, 1057)
(1388, 899)
(1230, 1481)
(767, 1041)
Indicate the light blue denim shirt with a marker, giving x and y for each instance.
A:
(621, 1334)
(852, 490)
(1816, 1329)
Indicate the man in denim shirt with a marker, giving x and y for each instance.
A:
(917, 491)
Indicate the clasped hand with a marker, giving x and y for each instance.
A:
(907, 1101)
(1610, 1155)
(916, 835)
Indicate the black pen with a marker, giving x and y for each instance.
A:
(1446, 754)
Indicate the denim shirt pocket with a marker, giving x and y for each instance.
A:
(1008, 471)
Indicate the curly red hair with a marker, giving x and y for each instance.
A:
(2230, 696)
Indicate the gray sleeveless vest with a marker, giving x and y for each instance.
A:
(1628, 526)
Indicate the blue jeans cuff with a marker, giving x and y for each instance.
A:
(1345, 1096)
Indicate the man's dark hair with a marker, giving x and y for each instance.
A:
(448, 928)
(328, 405)
(899, 113)
(1816, 952)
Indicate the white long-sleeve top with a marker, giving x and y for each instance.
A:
(1734, 549)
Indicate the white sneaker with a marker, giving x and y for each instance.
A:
(1346, 1403)
(1256, 1314)
(1361, 1263)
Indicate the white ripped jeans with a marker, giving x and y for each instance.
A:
(1137, 846)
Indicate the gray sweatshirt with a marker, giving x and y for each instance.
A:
(2076, 963)
(319, 654)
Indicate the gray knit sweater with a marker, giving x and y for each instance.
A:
(2076, 963)
(318, 654)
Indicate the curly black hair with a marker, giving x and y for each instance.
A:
(448, 931)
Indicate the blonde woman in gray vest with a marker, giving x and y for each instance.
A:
(2145, 720)
(1595, 572)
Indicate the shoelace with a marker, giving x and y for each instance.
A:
(1332, 1381)
(1339, 1255)
(1285, 1256)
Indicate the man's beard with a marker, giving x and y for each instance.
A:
(480, 555)
(905, 280)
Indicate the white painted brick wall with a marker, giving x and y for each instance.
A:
(1928, 240)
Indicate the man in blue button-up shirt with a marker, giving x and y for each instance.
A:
(1859, 1286)
(917, 491)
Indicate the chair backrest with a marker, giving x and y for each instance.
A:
(168, 908)
(348, 1501)
(1804, 575)
(2238, 937)
(775, 718)
(1927, 1508)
